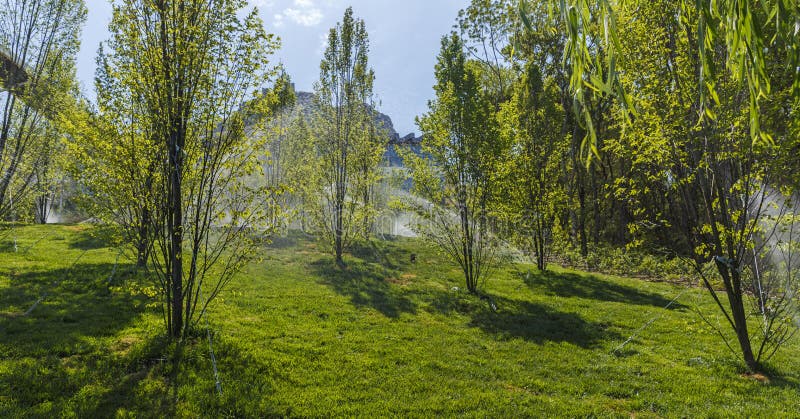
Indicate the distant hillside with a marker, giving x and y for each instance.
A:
(305, 103)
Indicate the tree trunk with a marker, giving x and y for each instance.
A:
(175, 229)
(466, 241)
(143, 240)
(732, 280)
(42, 209)
(368, 217)
(337, 234)
(596, 217)
(540, 244)
(582, 218)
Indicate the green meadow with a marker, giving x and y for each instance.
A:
(296, 335)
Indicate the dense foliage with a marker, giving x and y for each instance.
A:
(672, 152)
(572, 149)
(171, 163)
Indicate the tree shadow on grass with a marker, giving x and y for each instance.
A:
(55, 350)
(386, 253)
(777, 376)
(167, 379)
(291, 239)
(249, 382)
(565, 284)
(96, 237)
(366, 284)
(154, 378)
(163, 378)
(149, 361)
(537, 323)
(78, 294)
(75, 304)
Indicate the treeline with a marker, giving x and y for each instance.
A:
(638, 127)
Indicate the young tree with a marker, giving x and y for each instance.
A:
(542, 42)
(114, 156)
(462, 150)
(370, 146)
(281, 99)
(302, 175)
(704, 179)
(47, 174)
(191, 65)
(531, 172)
(343, 121)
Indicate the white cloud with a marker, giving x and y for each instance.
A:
(262, 4)
(303, 13)
(278, 20)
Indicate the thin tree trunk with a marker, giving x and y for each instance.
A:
(176, 234)
(732, 281)
(582, 218)
(143, 240)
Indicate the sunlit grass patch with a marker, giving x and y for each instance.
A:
(296, 335)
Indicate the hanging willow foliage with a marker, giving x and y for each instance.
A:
(752, 31)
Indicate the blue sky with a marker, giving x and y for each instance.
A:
(404, 41)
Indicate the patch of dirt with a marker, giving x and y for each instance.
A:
(404, 279)
(71, 363)
(401, 282)
(125, 344)
(761, 378)
(77, 227)
(250, 319)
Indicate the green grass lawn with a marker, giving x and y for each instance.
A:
(296, 336)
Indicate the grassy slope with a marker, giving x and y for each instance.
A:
(295, 335)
